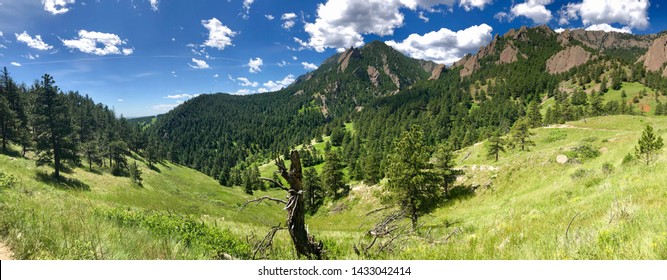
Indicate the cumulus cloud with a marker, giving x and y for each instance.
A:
(470, 4)
(269, 17)
(219, 36)
(608, 28)
(57, 7)
(559, 30)
(288, 20)
(535, 10)
(154, 4)
(120, 100)
(199, 64)
(254, 65)
(15, 64)
(341, 24)
(308, 66)
(88, 42)
(282, 63)
(631, 13)
(33, 42)
(247, 83)
(277, 85)
(246, 8)
(31, 57)
(444, 46)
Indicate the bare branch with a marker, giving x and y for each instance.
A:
(275, 183)
(377, 210)
(267, 241)
(259, 200)
(568, 225)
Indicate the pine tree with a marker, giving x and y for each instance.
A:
(7, 114)
(444, 166)
(53, 125)
(90, 150)
(649, 145)
(313, 193)
(596, 107)
(520, 134)
(411, 185)
(495, 146)
(135, 173)
(603, 85)
(533, 114)
(332, 175)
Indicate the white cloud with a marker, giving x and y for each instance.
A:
(262, 90)
(216, 76)
(166, 107)
(246, 8)
(31, 57)
(199, 64)
(445, 46)
(246, 83)
(631, 13)
(341, 24)
(278, 85)
(288, 20)
(269, 17)
(57, 7)
(88, 42)
(608, 28)
(182, 96)
(559, 30)
(15, 64)
(308, 66)
(470, 4)
(535, 10)
(219, 36)
(255, 65)
(422, 16)
(294, 58)
(282, 63)
(120, 100)
(154, 4)
(35, 43)
(242, 92)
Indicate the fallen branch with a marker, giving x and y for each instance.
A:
(259, 200)
(568, 225)
(267, 241)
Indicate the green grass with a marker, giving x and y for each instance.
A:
(520, 208)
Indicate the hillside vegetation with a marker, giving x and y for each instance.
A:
(517, 208)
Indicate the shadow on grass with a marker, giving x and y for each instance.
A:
(11, 153)
(461, 192)
(155, 168)
(62, 182)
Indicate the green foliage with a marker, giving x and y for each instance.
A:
(6, 180)
(410, 185)
(628, 159)
(337, 136)
(445, 166)
(649, 145)
(55, 138)
(313, 192)
(555, 136)
(495, 145)
(583, 152)
(135, 173)
(189, 230)
(332, 175)
(607, 168)
(520, 135)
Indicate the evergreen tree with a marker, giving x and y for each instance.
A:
(410, 185)
(313, 193)
(118, 151)
(90, 150)
(649, 145)
(596, 106)
(332, 175)
(53, 126)
(7, 114)
(603, 85)
(520, 134)
(495, 146)
(337, 136)
(533, 114)
(135, 173)
(444, 166)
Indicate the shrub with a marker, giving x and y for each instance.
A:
(628, 159)
(607, 168)
(584, 152)
(6, 180)
(580, 173)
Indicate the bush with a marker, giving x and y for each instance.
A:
(580, 173)
(607, 168)
(6, 180)
(584, 152)
(628, 159)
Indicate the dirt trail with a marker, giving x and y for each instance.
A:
(5, 253)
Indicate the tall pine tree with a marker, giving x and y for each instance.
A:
(53, 126)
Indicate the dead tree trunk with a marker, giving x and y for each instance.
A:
(304, 243)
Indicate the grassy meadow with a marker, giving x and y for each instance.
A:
(525, 206)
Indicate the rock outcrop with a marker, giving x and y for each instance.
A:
(656, 56)
(567, 59)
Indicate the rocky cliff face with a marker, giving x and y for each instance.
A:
(567, 59)
(601, 40)
(656, 56)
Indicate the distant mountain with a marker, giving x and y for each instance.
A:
(357, 76)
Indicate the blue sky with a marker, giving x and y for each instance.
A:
(143, 57)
